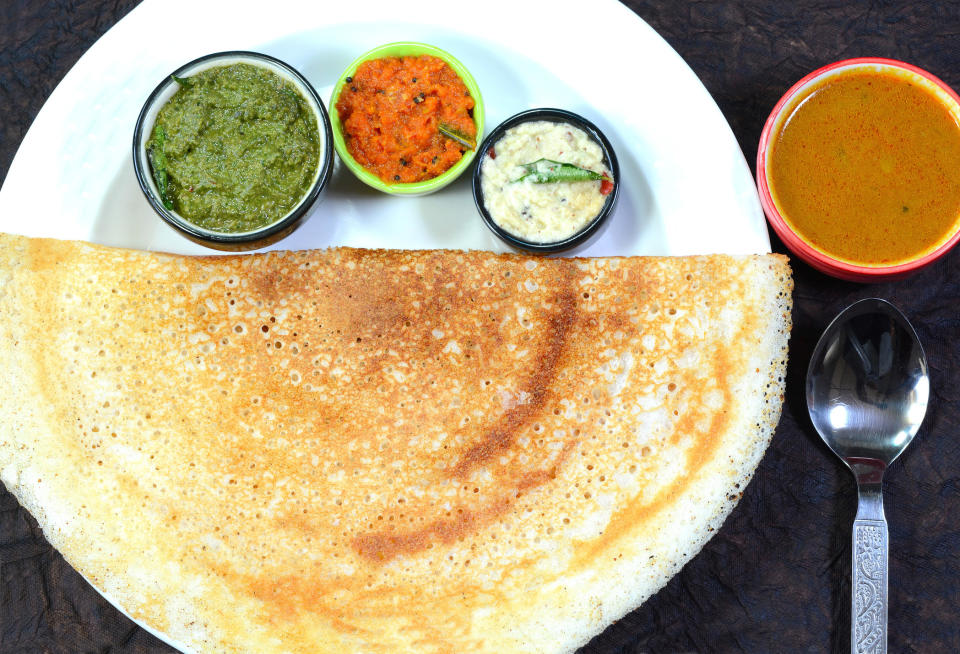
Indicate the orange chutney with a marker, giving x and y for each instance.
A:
(391, 110)
(866, 167)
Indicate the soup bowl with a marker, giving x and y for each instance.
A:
(858, 169)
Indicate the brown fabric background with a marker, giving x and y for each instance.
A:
(776, 576)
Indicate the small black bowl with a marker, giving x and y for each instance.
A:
(236, 241)
(556, 116)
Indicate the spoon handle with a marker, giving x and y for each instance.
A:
(868, 610)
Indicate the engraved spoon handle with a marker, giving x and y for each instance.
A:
(868, 605)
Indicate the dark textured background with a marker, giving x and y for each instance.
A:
(775, 577)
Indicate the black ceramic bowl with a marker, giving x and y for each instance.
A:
(261, 236)
(556, 116)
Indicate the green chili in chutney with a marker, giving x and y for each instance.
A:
(237, 148)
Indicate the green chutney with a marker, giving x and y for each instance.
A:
(235, 148)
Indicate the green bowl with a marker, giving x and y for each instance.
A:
(403, 49)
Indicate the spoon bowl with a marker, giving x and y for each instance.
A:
(867, 393)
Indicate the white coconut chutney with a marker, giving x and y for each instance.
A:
(545, 212)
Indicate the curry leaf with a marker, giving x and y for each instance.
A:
(453, 133)
(547, 171)
(158, 162)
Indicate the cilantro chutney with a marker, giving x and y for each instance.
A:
(235, 149)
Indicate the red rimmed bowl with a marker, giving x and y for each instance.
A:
(809, 246)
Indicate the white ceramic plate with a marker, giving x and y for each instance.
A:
(685, 186)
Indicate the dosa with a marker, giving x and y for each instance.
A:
(383, 451)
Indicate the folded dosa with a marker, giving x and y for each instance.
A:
(383, 451)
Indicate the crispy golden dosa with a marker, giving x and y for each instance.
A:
(383, 451)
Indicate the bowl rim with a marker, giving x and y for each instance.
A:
(551, 114)
(816, 258)
(268, 233)
(400, 49)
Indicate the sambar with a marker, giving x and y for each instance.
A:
(865, 166)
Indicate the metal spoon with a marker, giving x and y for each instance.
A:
(867, 392)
